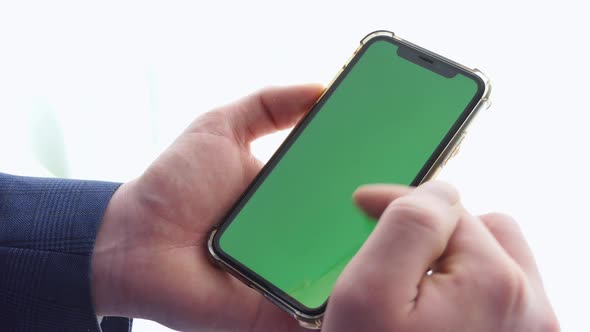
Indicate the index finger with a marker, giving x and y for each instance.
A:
(412, 233)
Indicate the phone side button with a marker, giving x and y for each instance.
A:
(447, 158)
(457, 146)
(454, 151)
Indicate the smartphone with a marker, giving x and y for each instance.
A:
(394, 114)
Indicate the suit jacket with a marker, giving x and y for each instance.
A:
(47, 233)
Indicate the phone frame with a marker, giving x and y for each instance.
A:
(312, 317)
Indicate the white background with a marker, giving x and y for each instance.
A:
(97, 90)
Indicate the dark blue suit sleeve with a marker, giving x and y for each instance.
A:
(47, 233)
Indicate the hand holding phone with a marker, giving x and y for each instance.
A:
(150, 260)
(394, 114)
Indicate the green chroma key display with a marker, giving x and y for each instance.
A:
(381, 124)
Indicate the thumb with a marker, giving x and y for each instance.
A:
(270, 110)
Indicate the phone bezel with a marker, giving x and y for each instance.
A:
(252, 279)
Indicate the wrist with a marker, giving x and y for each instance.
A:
(109, 256)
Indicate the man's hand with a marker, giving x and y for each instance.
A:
(483, 276)
(150, 260)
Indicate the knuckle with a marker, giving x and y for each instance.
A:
(505, 296)
(216, 122)
(506, 289)
(501, 290)
(499, 222)
(441, 189)
(412, 213)
(211, 118)
(499, 218)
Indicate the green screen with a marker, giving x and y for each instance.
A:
(381, 124)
